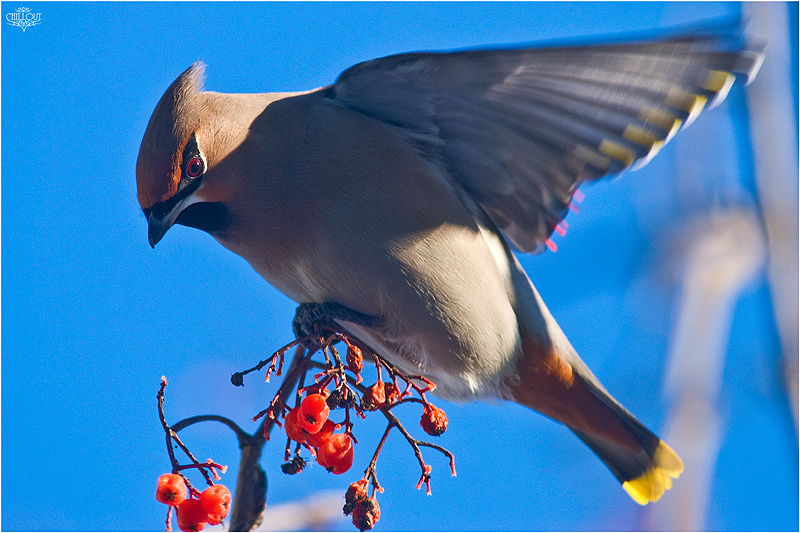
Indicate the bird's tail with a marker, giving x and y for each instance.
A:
(644, 473)
(552, 379)
(558, 384)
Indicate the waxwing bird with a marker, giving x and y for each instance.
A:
(399, 192)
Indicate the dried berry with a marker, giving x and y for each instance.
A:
(238, 379)
(366, 514)
(390, 392)
(373, 398)
(433, 421)
(355, 359)
(341, 398)
(295, 466)
(355, 493)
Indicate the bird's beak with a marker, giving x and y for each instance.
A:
(157, 226)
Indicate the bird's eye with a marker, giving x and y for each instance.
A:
(194, 168)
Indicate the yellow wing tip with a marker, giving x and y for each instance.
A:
(651, 485)
(616, 151)
(719, 81)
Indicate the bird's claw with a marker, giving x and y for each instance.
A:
(311, 315)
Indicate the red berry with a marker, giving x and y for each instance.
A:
(336, 453)
(313, 413)
(293, 428)
(171, 489)
(191, 516)
(318, 439)
(433, 420)
(216, 501)
(214, 519)
(373, 398)
(366, 514)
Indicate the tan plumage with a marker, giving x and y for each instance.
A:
(398, 192)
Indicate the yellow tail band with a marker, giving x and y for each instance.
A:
(658, 478)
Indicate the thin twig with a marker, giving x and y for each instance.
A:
(172, 436)
(186, 422)
(371, 471)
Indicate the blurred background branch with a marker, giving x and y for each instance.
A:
(720, 263)
(728, 248)
(773, 133)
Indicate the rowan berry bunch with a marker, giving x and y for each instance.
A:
(321, 420)
(195, 509)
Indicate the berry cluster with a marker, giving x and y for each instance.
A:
(338, 387)
(320, 422)
(309, 424)
(209, 507)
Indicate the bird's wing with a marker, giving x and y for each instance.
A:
(520, 129)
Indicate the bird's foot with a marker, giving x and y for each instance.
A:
(310, 316)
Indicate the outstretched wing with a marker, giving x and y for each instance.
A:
(520, 129)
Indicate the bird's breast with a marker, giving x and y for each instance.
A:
(346, 211)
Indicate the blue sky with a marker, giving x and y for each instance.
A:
(92, 317)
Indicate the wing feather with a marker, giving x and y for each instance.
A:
(520, 129)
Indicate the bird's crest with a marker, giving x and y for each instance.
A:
(176, 117)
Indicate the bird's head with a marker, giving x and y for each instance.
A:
(174, 157)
